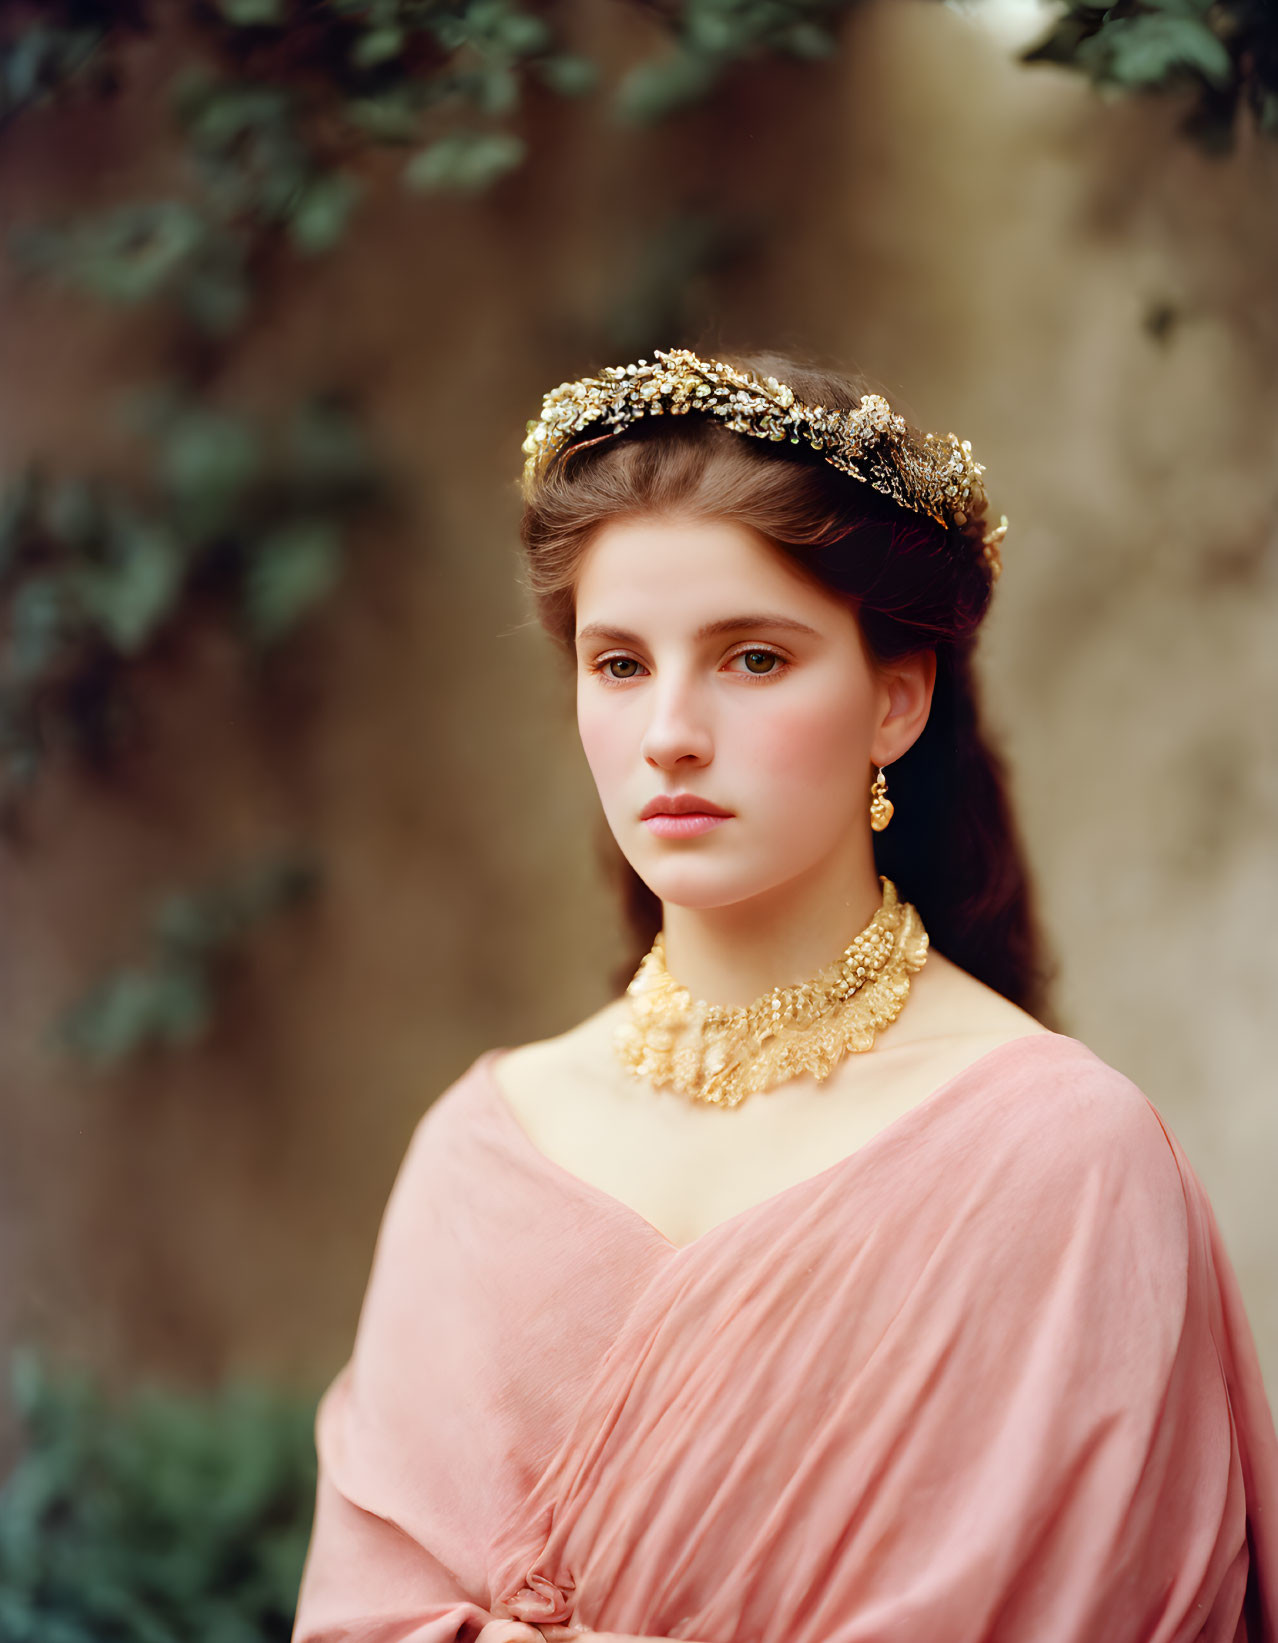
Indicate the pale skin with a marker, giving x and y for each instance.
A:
(786, 729)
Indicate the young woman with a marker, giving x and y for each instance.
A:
(816, 1289)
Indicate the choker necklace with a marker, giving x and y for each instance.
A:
(720, 1054)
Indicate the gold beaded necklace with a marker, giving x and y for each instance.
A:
(721, 1054)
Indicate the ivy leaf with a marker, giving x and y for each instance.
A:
(39, 58)
(465, 161)
(135, 1006)
(320, 216)
(207, 461)
(651, 91)
(810, 41)
(496, 90)
(1146, 50)
(291, 569)
(252, 13)
(568, 74)
(388, 117)
(24, 62)
(492, 27)
(521, 33)
(41, 617)
(376, 46)
(128, 597)
(712, 32)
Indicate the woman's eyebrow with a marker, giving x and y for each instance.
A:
(725, 624)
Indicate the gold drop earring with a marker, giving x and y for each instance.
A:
(880, 805)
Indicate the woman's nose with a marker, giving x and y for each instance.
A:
(678, 728)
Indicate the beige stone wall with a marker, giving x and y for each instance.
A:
(987, 241)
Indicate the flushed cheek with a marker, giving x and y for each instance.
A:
(803, 753)
(607, 745)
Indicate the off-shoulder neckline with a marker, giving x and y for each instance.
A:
(890, 1133)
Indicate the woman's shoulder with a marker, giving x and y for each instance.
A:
(1070, 1089)
(1039, 1077)
(1070, 1136)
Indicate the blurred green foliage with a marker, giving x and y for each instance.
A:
(164, 1518)
(710, 36)
(1224, 53)
(276, 95)
(266, 75)
(139, 252)
(250, 518)
(276, 98)
(44, 47)
(194, 934)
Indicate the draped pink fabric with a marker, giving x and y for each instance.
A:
(988, 1379)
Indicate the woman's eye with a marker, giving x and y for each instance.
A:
(757, 661)
(610, 662)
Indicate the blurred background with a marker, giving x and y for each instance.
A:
(293, 821)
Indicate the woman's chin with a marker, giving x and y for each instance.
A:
(699, 892)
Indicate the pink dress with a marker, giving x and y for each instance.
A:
(987, 1379)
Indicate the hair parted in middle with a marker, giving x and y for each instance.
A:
(953, 848)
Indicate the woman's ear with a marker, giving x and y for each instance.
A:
(905, 700)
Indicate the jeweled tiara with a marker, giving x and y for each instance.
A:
(935, 475)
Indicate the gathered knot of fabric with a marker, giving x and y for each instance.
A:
(539, 1601)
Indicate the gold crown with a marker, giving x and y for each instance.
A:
(934, 475)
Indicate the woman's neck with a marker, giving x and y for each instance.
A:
(732, 955)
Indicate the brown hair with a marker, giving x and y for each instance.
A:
(952, 847)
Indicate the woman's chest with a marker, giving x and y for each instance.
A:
(686, 1167)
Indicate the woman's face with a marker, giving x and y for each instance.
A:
(708, 663)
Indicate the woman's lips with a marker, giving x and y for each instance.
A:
(686, 826)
